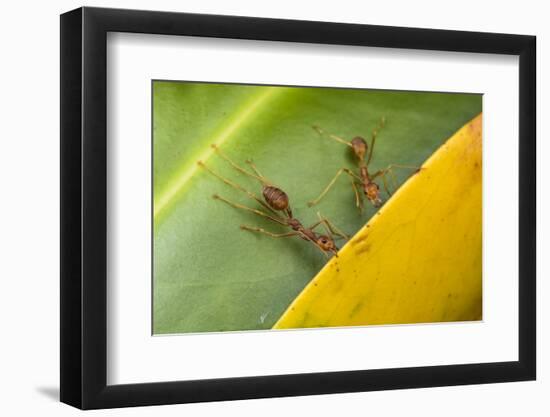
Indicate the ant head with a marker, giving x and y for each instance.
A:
(327, 244)
(275, 197)
(359, 147)
(372, 191)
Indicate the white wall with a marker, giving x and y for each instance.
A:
(29, 174)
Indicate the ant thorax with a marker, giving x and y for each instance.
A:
(306, 233)
(364, 174)
(295, 224)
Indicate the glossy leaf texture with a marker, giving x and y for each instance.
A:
(208, 274)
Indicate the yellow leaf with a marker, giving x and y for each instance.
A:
(418, 260)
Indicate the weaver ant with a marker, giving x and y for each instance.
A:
(363, 178)
(277, 202)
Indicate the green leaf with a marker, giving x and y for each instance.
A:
(209, 275)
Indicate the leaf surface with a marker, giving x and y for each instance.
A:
(208, 274)
(417, 260)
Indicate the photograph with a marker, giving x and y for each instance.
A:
(297, 207)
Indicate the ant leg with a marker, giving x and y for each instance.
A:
(278, 235)
(237, 186)
(265, 232)
(413, 167)
(236, 166)
(382, 173)
(393, 178)
(321, 132)
(386, 184)
(358, 200)
(389, 170)
(374, 135)
(331, 183)
(276, 219)
(331, 229)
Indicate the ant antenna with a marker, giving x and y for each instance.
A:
(321, 132)
(380, 126)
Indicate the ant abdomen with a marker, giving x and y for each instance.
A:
(359, 147)
(275, 197)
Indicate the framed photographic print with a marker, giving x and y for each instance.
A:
(258, 208)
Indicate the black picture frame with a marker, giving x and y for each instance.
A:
(84, 207)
